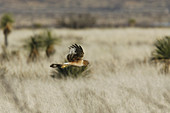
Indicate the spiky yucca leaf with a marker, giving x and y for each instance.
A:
(162, 50)
(34, 40)
(33, 44)
(34, 53)
(6, 18)
(72, 71)
(43, 40)
(49, 39)
(48, 42)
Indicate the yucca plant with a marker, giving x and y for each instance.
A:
(71, 71)
(33, 44)
(48, 41)
(161, 54)
(34, 53)
(6, 24)
(41, 41)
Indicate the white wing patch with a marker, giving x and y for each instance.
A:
(72, 51)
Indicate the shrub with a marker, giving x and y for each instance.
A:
(6, 18)
(131, 22)
(37, 25)
(34, 52)
(161, 54)
(71, 71)
(33, 44)
(77, 21)
(48, 41)
(41, 41)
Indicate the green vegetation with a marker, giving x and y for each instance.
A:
(71, 71)
(162, 53)
(5, 19)
(6, 24)
(48, 42)
(41, 41)
(34, 45)
(131, 22)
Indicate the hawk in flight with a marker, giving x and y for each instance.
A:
(74, 58)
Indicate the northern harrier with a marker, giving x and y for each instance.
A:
(74, 58)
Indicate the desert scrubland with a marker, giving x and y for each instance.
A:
(122, 79)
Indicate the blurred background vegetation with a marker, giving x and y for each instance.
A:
(97, 13)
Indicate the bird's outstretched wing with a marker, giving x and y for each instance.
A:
(75, 53)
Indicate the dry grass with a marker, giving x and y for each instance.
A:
(121, 81)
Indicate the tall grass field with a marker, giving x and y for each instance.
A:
(121, 79)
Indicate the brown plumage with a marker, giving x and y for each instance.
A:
(74, 58)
